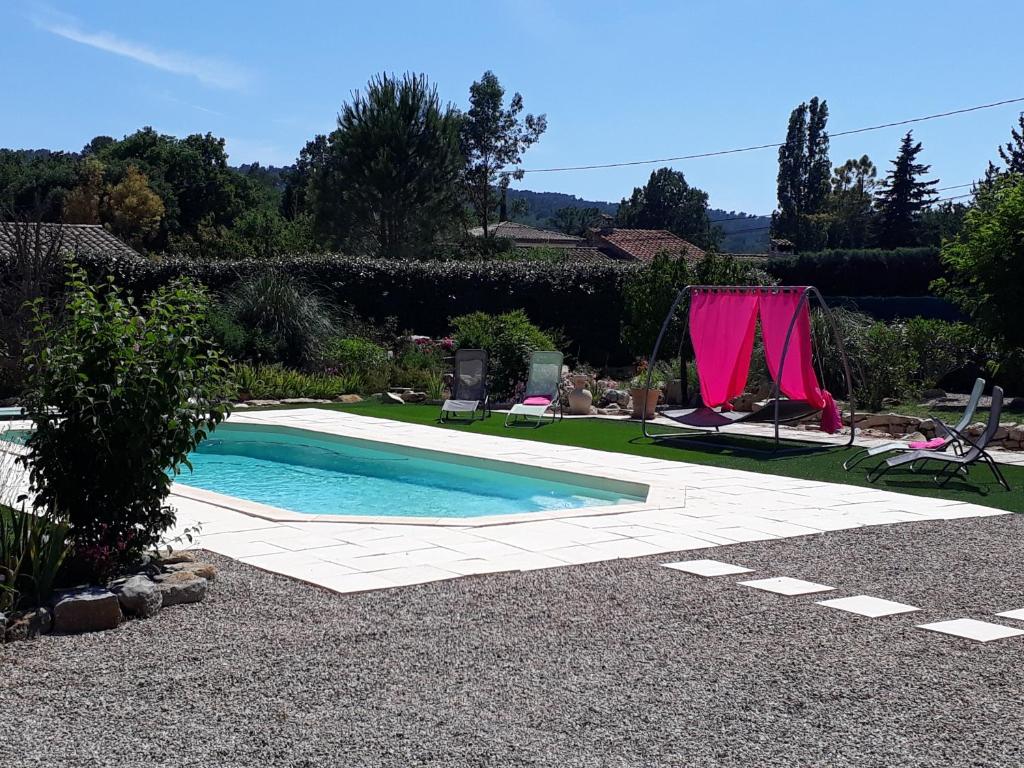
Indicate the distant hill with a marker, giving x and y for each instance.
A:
(744, 232)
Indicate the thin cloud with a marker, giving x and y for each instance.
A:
(208, 71)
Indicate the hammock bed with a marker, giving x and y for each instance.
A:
(722, 322)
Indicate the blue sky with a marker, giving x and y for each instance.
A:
(618, 81)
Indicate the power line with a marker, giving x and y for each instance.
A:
(775, 145)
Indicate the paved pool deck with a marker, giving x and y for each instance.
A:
(689, 507)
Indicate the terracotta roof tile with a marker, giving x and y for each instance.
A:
(642, 244)
(91, 238)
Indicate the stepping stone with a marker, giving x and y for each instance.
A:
(784, 585)
(707, 567)
(1017, 614)
(863, 605)
(972, 629)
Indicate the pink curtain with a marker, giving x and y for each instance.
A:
(798, 380)
(722, 327)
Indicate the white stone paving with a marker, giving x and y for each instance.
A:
(865, 605)
(689, 507)
(972, 629)
(786, 585)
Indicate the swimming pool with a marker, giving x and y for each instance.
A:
(322, 474)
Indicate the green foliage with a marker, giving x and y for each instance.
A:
(803, 180)
(358, 356)
(493, 138)
(898, 272)
(902, 198)
(387, 182)
(649, 294)
(985, 278)
(668, 202)
(283, 319)
(509, 339)
(573, 220)
(120, 394)
(32, 549)
(275, 382)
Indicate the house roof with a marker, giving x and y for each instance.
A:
(524, 234)
(78, 238)
(642, 244)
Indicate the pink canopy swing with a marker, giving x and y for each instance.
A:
(722, 325)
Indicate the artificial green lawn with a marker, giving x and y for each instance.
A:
(723, 451)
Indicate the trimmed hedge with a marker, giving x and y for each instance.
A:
(583, 300)
(876, 272)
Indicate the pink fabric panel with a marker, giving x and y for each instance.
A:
(722, 330)
(537, 401)
(928, 445)
(798, 380)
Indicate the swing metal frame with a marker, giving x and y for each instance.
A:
(807, 293)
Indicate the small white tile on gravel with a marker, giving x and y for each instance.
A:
(784, 585)
(1017, 614)
(706, 567)
(972, 629)
(864, 605)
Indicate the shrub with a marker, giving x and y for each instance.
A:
(283, 319)
(869, 272)
(275, 382)
(508, 338)
(32, 550)
(582, 298)
(358, 356)
(120, 394)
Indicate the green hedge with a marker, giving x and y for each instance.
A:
(899, 272)
(584, 300)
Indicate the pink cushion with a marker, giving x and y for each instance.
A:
(537, 401)
(928, 445)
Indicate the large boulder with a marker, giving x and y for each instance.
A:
(414, 397)
(139, 596)
(349, 399)
(177, 556)
(390, 398)
(181, 587)
(89, 609)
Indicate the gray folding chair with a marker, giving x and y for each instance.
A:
(543, 391)
(947, 435)
(952, 464)
(469, 387)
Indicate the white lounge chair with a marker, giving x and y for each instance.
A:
(543, 391)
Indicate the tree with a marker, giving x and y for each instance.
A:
(902, 198)
(82, 204)
(135, 209)
(389, 181)
(299, 180)
(853, 185)
(573, 220)
(668, 202)
(1012, 152)
(804, 177)
(493, 138)
(984, 261)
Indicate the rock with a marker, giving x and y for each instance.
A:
(26, 625)
(348, 399)
(414, 397)
(202, 570)
(390, 398)
(181, 587)
(745, 402)
(89, 609)
(400, 390)
(916, 436)
(618, 397)
(889, 402)
(177, 556)
(303, 400)
(139, 596)
(933, 394)
(257, 403)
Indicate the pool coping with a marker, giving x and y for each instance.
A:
(659, 495)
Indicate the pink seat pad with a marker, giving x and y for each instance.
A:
(928, 445)
(537, 401)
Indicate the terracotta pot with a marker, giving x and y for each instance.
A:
(640, 397)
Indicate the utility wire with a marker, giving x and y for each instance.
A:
(775, 145)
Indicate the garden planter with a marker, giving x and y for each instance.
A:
(643, 397)
(580, 398)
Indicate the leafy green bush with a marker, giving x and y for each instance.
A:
(275, 382)
(283, 319)
(508, 338)
(584, 299)
(32, 549)
(120, 394)
(940, 349)
(867, 272)
(358, 356)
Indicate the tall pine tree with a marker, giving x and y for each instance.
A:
(804, 175)
(902, 197)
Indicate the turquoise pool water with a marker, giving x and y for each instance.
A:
(17, 436)
(319, 474)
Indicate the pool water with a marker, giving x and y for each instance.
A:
(16, 436)
(324, 474)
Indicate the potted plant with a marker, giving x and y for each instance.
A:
(643, 398)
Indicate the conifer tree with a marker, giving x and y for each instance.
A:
(902, 197)
(804, 175)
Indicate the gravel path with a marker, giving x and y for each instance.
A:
(610, 664)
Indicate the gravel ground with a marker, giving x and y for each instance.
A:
(610, 664)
